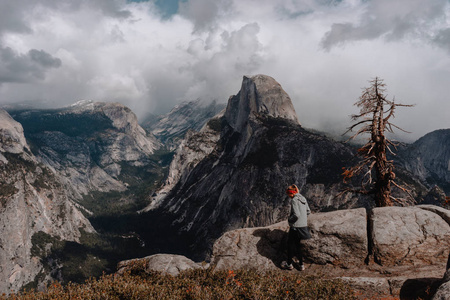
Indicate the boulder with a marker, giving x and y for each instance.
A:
(409, 235)
(165, 263)
(443, 292)
(338, 237)
(250, 248)
(442, 212)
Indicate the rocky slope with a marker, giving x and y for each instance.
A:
(237, 179)
(171, 128)
(32, 201)
(96, 147)
(429, 158)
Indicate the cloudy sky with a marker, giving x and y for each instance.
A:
(151, 55)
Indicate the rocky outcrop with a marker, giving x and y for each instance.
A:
(192, 150)
(165, 263)
(343, 246)
(339, 237)
(32, 200)
(233, 173)
(171, 128)
(410, 235)
(260, 95)
(94, 146)
(396, 236)
(12, 139)
(251, 248)
(443, 291)
(429, 158)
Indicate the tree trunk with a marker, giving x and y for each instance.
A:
(383, 173)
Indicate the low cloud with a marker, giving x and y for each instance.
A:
(203, 13)
(321, 52)
(25, 68)
(390, 20)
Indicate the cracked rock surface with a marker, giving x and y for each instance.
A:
(410, 235)
(403, 250)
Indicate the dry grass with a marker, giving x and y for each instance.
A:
(139, 283)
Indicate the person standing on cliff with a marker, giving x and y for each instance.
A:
(298, 228)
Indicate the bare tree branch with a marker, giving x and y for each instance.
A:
(373, 153)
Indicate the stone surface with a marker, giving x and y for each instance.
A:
(93, 146)
(12, 139)
(338, 237)
(369, 286)
(409, 235)
(443, 292)
(340, 249)
(164, 263)
(192, 150)
(32, 199)
(250, 248)
(429, 158)
(238, 176)
(442, 212)
(260, 95)
(171, 128)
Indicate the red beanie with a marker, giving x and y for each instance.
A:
(292, 190)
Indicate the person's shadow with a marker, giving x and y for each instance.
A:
(419, 288)
(272, 244)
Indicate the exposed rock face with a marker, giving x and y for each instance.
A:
(254, 151)
(429, 158)
(11, 134)
(410, 235)
(400, 236)
(32, 199)
(251, 248)
(260, 95)
(171, 128)
(339, 237)
(192, 150)
(95, 147)
(443, 291)
(165, 263)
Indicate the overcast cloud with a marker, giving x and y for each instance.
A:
(151, 55)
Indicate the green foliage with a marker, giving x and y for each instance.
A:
(141, 182)
(76, 262)
(40, 240)
(44, 180)
(17, 162)
(216, 124)
(162, 157)
(103, 202)
(71, 124)
(6, 191)
(196, 284)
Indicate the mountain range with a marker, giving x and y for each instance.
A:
(90, 179)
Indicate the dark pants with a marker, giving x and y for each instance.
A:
(295, 235)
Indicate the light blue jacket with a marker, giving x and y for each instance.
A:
(299, 208)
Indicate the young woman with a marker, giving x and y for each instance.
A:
(298, 227)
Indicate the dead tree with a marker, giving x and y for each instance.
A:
(377, 171)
